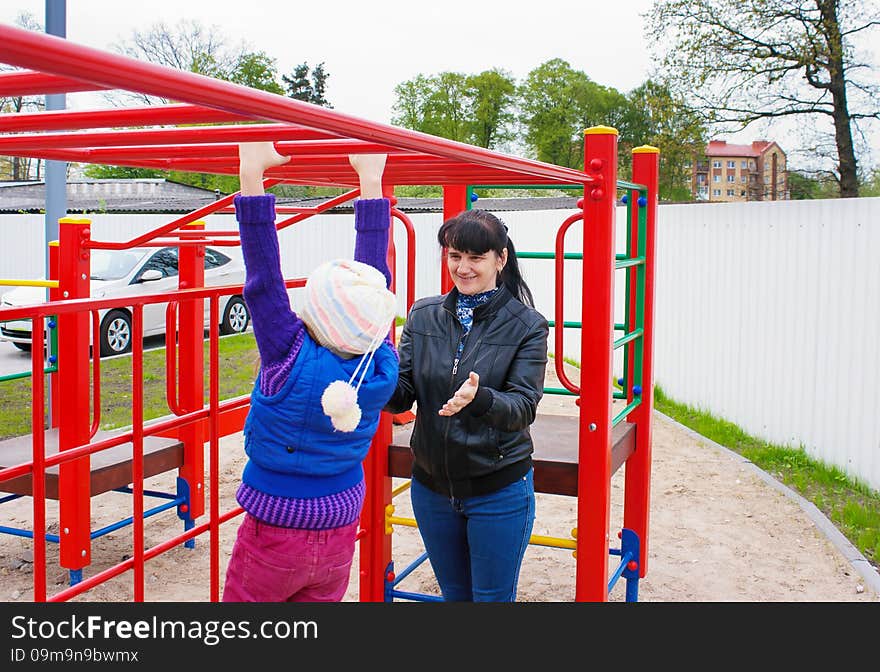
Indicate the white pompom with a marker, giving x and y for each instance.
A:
(339, 401)
(338, 398)
(347, 422)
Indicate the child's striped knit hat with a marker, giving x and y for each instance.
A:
(347, 306)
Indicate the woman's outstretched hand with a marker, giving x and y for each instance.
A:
(463, 396)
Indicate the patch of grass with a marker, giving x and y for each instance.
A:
(851, 505)
(238, 369)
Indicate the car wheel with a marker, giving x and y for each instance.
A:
(115, 333)
(24, 347)
(235, 316)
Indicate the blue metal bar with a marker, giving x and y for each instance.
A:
(27, 534)
(617, 572)
(418, 597)
(128, 521)
(409, 568)
(149, 493)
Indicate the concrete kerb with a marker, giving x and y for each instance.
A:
(858, 561)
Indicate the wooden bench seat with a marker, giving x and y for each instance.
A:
(555, 456)
(110, 468)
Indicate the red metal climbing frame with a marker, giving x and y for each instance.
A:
(200, 133)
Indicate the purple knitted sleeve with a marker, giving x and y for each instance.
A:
(372, 217)
(276, 326)
(278, 329)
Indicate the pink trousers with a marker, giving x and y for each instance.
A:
(279, 564)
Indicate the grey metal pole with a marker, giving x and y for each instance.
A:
(56, 171)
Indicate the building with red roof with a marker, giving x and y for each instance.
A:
(734, 173)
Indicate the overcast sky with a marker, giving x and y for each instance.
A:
(370, 48)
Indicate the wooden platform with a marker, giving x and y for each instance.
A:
(555, 456)
(110, 468)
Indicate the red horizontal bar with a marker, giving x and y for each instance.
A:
(61, 57)
(177, 138)
(31, 83)
(118, 117)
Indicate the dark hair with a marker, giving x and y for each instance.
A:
(477, 232)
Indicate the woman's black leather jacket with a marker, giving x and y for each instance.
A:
(487, 445)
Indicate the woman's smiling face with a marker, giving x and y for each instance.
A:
(474, 273)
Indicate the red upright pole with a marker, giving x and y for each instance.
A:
(454, 201)
(597, 343)
(54, 295)
(73, 377)
(637, 489)
(375, 544)
(191, 264)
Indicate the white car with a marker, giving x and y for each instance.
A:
(137, 272)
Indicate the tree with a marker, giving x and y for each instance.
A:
(192, 47)
(557, 104)
(871, 186)
(656, 117)
(258, 71)
(439, 105)
(476, 109)
(739, 62)
(491, 97)
(301, 86)
(102, 172)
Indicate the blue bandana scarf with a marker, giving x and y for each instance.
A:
(464, 309)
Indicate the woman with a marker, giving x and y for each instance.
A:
(473, 361)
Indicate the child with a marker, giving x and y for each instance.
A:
(325, 375)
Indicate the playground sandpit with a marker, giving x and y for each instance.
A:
(718, 533)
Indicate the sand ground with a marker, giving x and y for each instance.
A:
(718, 532)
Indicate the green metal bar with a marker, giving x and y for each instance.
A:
(641, 279)
(626, 263)
(527, 186)
(622, 184)
(630, 407)
(631, 336)
(560, 391)
(565, 325)
(547, 255)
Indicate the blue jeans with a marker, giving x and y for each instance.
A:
(476, 544)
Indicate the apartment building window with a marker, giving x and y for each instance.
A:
(716, 192)
(744, 178)
(716, 178)
(731, 164)
(731, 178)
(744, 165)
(701, 179)
(716, 164)
(742, 193)
(730, 192)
